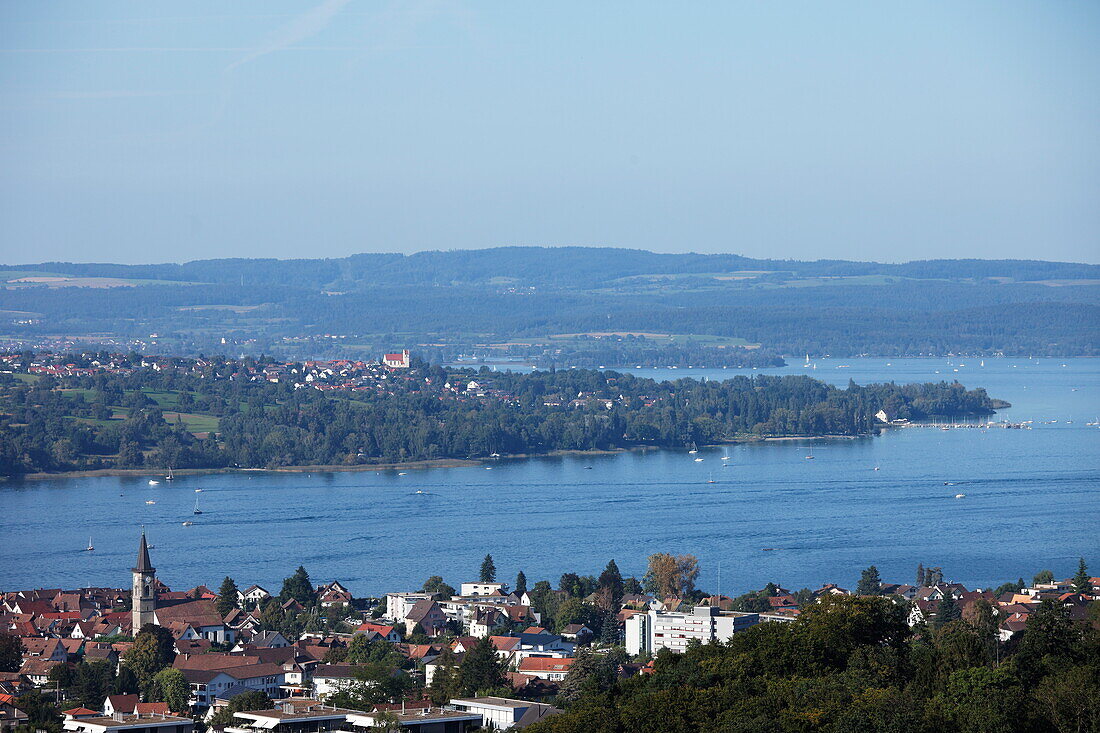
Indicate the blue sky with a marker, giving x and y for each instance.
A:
(152, 131)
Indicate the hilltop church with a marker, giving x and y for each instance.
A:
(187, 618)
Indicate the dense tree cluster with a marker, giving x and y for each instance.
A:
(112, 421)
(853, 664)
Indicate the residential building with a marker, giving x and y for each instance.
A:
(503, 712)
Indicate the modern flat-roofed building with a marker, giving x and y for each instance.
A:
(421, 720)
(504, 712)
(656, 630)
(135, 723)
(293, 715)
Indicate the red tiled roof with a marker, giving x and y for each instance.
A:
(545, 664)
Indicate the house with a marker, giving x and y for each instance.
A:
(122, 704)
(333, 594)
(268, 640)
(12, 717)
(398, 605)
(482, 589)
(547, 668)
(428, 615)
(385, 631)
(485, 620)
(37, 671)
(207, 684)
(200, 614)
(577, 632)
(332, 678)
(502, 713)
(252, 596)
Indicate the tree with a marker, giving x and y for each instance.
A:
(1081, 582)
(920, 574)
(444, 686)
(11, 652)
(584, 666)
(488, 570)
(481, 669)
(1043, 577)
(227, 598)
(870, 584)
(42, 714)
(632, 587)
(521, 583)
(170, 686)
(435, 584)
(669, 575)
(948, 610)
(153, 650)
(611, 583)
(298, 587)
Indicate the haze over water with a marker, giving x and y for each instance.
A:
(1032, 502)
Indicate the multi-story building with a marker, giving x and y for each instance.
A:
(656, 630)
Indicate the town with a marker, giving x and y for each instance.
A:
(487, 654)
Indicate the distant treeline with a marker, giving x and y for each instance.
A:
(583, 267)
(609, 352)
(112, 421)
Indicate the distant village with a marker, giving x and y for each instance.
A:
(236, 651)
(388, 375)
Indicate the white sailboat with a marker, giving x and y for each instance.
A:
(197, 510)
(694, 448)
(170, 476)
(90, 546)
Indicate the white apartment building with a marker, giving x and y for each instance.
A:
(656, 630)
(398, 605)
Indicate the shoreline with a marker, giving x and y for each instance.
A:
(407, 465)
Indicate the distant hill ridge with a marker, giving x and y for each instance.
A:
(563, 267)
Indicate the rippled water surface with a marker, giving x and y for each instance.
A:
(1032, 501)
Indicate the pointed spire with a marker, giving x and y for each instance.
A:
(143, 563)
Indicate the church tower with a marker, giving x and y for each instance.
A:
(143, 598)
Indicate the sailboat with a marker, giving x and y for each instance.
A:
(810, 456)
(169, 477)
(711, 479)
(197, 510)
(90, 546)
(807, 361)
(694, 447)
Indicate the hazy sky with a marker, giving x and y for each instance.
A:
(153, 131)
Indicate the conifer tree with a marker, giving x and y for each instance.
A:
(488, 570)
(227, 597)
(948, 610)
(521, 583)
(870, 584)
(299, 587)
(1081, 582)
(481, 669)
(920, 574)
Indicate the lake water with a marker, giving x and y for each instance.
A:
(1032, 502)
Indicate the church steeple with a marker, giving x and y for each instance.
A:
(143, 597)
(143, 564)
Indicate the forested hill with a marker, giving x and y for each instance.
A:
(569, 306)
(212, 414)
(566, 267)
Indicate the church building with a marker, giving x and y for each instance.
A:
(186, 618)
